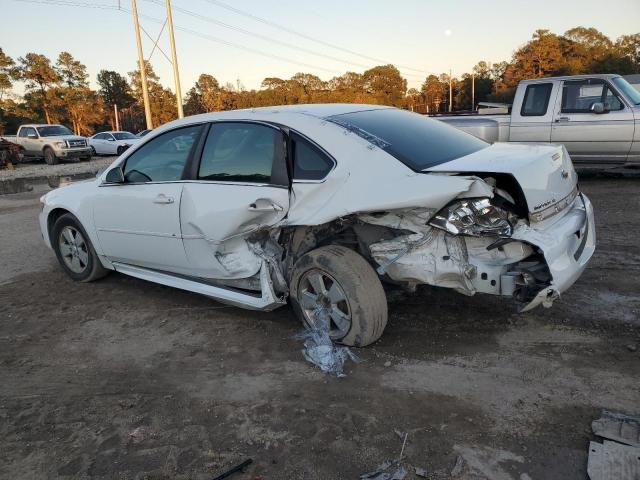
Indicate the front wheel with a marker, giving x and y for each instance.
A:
(75, 251)
(93, 151)
(50, 156)
(120, 150)
(342, 283)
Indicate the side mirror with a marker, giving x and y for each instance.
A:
(598, 107)
(32, 136)
(111, 139)
(115, 175)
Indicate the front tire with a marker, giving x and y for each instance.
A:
(74, 250)
(50, 156)
(120, 150)
(341, 281)
(93, 151)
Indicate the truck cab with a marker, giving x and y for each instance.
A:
(52, 142)
(596, 117)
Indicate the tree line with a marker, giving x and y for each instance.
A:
(59, 91)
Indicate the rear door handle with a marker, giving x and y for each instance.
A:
(562, 119)
(163, 199)
(264, 205)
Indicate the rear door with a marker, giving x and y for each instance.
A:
(32, 146)
(98, 143)
(589, 136)
(239, 186)
(532, 121)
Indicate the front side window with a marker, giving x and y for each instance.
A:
(612, 102)
(309, 162)
(162, 159)
(54, 131)
(417, 141)
(536, 100)
(239, 152)
(101, 136)
(25, 132)
(578, 96)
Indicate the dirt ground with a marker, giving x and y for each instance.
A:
(126, 379)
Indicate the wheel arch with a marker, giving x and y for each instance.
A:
(53, 216)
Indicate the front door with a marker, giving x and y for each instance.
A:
(239, 187)
(589, 136)
(138, 221)
(31, 141)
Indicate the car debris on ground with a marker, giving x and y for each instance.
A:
(320, 350)
(617, 457)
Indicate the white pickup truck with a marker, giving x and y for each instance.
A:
(596, 117)
(51, 142)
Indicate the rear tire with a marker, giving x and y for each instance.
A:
(359, 292)
(50, 156)
(74, 250)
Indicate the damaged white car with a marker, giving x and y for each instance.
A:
(321, 205)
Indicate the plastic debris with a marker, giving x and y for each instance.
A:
(421, 472)
(458, 467)
(619, 427)
(388, 470)
(320, 350)
(613, 461)
(236, 469)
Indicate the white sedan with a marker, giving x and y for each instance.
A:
(323, 204)
(112, 143)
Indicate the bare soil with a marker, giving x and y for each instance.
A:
(127, 379)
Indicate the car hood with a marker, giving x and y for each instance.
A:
(545, 172)
(66, 137)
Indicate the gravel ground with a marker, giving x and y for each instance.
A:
(126, 379)
(38, 169)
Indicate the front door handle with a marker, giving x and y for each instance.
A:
(562, 119)
(264, 205)
(163, 199)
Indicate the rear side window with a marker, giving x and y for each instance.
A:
(239, 152)
(536, 100)
(417, 141)
(163, 158)
(309, 162)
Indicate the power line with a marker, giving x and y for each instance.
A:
(265, 37)
(70, 3)
(305, 36)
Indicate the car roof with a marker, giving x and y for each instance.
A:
(37, 125)
(602, 76)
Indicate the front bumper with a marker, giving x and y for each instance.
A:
(567, 245)
(73, 152)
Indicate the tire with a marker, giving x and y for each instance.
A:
(93, 151)
(50, 156)
(120, 150)
(83, 265)
(364, 303)
(85, 159)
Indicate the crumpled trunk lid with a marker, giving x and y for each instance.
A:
(545, 172)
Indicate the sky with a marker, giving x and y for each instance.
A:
(418, 36)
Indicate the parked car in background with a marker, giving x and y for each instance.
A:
(112, 142)
(51, 142)
(321, 204)
(596, 117)
(634, 80)
(142, 133)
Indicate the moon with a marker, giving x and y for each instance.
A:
(448, 32)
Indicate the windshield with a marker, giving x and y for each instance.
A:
(627, 89)
(417, 141)
(124, 136)
(54, 131)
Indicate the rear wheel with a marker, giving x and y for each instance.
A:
(50, 156)
(342, 283)
(75, 251)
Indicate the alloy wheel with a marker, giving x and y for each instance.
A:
(319, 291)
(73, 249)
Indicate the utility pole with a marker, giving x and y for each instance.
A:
(473, 91)
(174, 60)
(450, 91)
(143, 73)
(115, 111)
